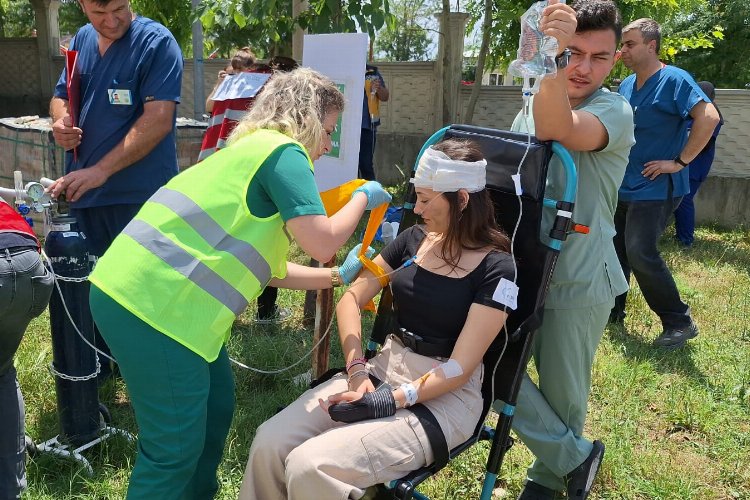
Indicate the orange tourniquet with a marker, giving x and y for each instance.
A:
(333, 200)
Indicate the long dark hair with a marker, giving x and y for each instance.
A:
(474, 227)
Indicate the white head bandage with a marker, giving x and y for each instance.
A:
(436, 171)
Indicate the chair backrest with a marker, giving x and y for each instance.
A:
(504, 152)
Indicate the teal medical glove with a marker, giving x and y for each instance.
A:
(352, 265)
(376, 195)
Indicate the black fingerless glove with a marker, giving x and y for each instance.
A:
(376, 404)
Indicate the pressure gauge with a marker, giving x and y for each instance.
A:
(35, 191)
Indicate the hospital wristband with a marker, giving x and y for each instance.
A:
(410, 394)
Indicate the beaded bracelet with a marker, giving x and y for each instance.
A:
(356, 361)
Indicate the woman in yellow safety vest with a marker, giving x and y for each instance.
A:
(165, 294)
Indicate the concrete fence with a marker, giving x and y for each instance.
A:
(417, 108)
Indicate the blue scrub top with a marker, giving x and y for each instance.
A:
(661, 112)
(145, 63)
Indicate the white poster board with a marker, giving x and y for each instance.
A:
(341, 57)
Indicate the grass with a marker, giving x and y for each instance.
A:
(676, 424)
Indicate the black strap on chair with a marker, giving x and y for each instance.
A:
(434, 433)
(421, 346)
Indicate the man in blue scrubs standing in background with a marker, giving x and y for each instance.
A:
(130, 71)
(664, 99)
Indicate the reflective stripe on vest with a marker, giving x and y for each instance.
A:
(209, 230)
(187, 265)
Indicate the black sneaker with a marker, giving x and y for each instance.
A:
(535, 491)
(581, 479)
(674, 338)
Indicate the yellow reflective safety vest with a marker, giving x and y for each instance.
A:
(194, 256)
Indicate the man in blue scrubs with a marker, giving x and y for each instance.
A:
(664, 99)
(375, 92)
(130, 72)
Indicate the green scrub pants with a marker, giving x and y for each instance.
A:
(549, 418)
(183, 405)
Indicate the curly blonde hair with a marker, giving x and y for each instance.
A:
(294, 104)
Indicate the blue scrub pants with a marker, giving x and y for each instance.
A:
(101, 225)
(183, 406)
(639, 226)
(684, 215)
(366, 153)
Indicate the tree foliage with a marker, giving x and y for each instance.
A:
(267, 25)
(406, 39)
(16, 18)
(505, 27)
(727, 62)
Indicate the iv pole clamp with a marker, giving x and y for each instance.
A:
(83, 421)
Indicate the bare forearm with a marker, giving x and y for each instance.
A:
(58, 108)
(700, 134)
(320, 236)
(304, 278)
(350, 326)
(553, 118)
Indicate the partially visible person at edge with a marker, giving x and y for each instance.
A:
(243, 60)
(351, 432)
(130, 71)
(596, 126)
(664, 99)
(25, 288)
(684, 215)
(375, 91)
(224, 119)
(167, 291)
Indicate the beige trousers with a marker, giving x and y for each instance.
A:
(301, 454)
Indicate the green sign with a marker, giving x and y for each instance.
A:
(336, 136)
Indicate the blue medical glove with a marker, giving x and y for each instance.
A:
(376, 195)
(378, 404)
(352, 265)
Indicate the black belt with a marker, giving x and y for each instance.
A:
(434, 434)
(421, 346)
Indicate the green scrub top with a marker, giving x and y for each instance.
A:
(588, 271)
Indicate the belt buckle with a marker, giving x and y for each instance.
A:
(409, 339)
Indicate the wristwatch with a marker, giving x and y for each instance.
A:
(563, 59)
(678, 160)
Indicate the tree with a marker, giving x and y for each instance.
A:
(268, 25)
(725, 63)
(16, 18)
(406, 39)
(505, 28)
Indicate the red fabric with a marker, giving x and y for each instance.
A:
(11, 222)
(224, 117)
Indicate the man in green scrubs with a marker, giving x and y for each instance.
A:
(596, 126)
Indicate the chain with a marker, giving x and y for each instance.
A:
(83, 378)
(71, 280)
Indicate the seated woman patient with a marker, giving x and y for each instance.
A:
(353, 432)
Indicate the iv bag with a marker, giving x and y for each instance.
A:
(536, 52)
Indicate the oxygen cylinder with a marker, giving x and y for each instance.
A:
(77, 400)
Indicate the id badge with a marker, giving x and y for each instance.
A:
(120, 96)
